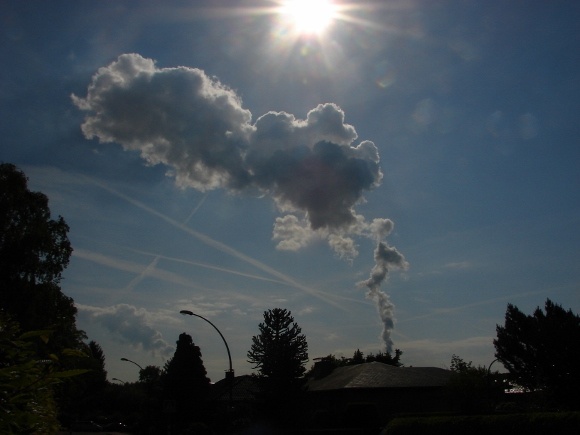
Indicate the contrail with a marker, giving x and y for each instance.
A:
(155, 260)
(213, 267)
(150, 267)
(127, 266)
(220, 246)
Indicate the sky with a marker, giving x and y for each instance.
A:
(394, 173)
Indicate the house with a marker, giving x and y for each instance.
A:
(243, 389)
(368, 394)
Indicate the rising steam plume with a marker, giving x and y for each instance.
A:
(312, 168)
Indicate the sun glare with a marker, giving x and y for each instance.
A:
(309, 16)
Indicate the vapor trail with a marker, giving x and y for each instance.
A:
(213, 267)
(155, 260)
(220, 246)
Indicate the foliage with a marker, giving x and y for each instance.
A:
(357, 357)
(34, 251)
(325, 365)
(185, 379)
(541, 351)
(27, 404)
(386, 358)
(564, 423)
(150, 374)
(473, 389)
(86, 392)
(280, 351)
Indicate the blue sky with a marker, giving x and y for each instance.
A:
(209, 156)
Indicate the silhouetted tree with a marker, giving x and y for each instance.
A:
(150, 374)
(34, 251)
(386, 358)
(358, 357)
(326, 365)
(541, 351)
(97, 356)
(473, 389)
(185, 381)
(279, 353)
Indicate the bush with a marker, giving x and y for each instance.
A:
(531, 424)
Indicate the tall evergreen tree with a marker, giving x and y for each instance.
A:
(185, 380)
(280, 351)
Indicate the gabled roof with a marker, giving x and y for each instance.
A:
(380, 375)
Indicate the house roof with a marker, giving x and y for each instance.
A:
(380, 375)
(243, 388)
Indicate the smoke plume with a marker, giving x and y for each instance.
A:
(311, 168)
(386, 258)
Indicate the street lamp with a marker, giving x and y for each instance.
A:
(128, 360)
(118, 380)
(230, 372)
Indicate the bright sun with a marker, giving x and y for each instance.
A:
(309, 16)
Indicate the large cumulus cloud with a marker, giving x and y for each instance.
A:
(197, 127)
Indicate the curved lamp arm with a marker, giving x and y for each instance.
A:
(128, 360)
(191, 313)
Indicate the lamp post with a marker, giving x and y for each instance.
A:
(128, 360)
(140, 368)
(230, 372)
(488, 381)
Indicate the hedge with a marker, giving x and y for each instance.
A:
(560, 423)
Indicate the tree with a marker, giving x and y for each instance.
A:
(150, 374)
(280, 351)
(386, 358)
(473, 389)
(185, 379)
(541, 350)
(357, 357)
(34, 251)
(27, 403)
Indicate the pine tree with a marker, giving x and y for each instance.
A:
(280, 351)
(185, 379)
